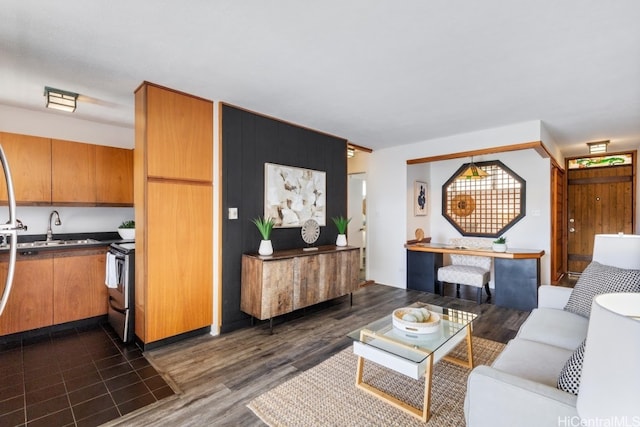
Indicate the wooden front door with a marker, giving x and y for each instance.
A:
(600, 200)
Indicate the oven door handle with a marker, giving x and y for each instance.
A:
(117, 307)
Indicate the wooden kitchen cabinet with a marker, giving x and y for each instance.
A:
(47, 172)
(114, 176)
(79, 291)
(173, 196)
(54, 287)
(73, 172)
(179, 128)
(293, 279)
(30, 303)
(30, 162)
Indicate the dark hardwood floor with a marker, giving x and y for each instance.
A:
(215, 377)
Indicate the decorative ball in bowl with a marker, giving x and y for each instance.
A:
(417, 320)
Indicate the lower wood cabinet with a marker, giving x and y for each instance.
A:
(79, 291)
(294, 279)
(30, 304)
(50, 288)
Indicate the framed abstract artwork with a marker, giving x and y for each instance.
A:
(294, 195)
(419, 198)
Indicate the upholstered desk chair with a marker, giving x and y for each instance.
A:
(469, 270)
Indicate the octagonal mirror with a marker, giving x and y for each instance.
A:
(484, 206)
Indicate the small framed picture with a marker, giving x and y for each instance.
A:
(419, 198)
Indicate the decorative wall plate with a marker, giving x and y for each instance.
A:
(310, 231)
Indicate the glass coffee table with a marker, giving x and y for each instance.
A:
(412, 354)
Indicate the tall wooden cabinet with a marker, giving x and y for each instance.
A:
(173, 174)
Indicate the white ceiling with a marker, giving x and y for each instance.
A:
(377, 72)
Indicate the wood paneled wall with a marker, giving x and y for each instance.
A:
(250, 140)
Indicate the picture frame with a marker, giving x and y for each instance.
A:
(420, 197)
(294, 195)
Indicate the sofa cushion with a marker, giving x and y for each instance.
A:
(534, 361)
(599, 279)
(569, 379)
(555, 327)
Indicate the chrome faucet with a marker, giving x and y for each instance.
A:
(58, 222)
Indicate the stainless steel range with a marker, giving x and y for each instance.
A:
(120, 279)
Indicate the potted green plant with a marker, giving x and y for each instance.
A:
(265, 226)
(127, 230)
(341, 224)
(500, 244)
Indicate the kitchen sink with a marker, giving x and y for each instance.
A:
(45, 244)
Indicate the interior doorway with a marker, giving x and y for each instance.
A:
(357, 211)
(600, 200)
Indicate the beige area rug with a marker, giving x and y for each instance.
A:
(326, 395)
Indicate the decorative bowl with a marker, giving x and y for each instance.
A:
(427, 327)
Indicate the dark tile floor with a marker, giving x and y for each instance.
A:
(79, 377)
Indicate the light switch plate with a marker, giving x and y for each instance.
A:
(233, 213)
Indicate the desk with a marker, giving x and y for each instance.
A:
(516, 271)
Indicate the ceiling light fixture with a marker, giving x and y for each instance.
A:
(60, 99)
(473, 172)
(598, 147)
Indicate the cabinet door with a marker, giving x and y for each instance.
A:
(178, 259)
(30, 304)
(348, 271)
(30, 162)
(277, 288)
(114, 176)
(308, 288)
(73, 177)
(179, 135)
(79, 291)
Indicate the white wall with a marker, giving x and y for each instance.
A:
(61, 125)
(387, 186)
(66, 126)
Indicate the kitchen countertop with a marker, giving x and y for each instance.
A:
(103, 239)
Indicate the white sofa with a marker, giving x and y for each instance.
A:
(520, 387)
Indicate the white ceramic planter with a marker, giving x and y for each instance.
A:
(499, 247)
(341, 240)
(127, 233)
(265, 247)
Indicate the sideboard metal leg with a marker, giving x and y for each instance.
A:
(351, 298)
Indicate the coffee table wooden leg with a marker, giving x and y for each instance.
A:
(423, 414)
(464, 363)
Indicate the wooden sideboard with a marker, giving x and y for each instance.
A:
(293, 279)
(516, 271)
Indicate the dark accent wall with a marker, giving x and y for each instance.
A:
(250, 140)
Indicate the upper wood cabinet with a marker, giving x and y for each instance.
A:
(176, 126)
(49, 172)
(29, 158)
(73, 177)
(114, 175)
